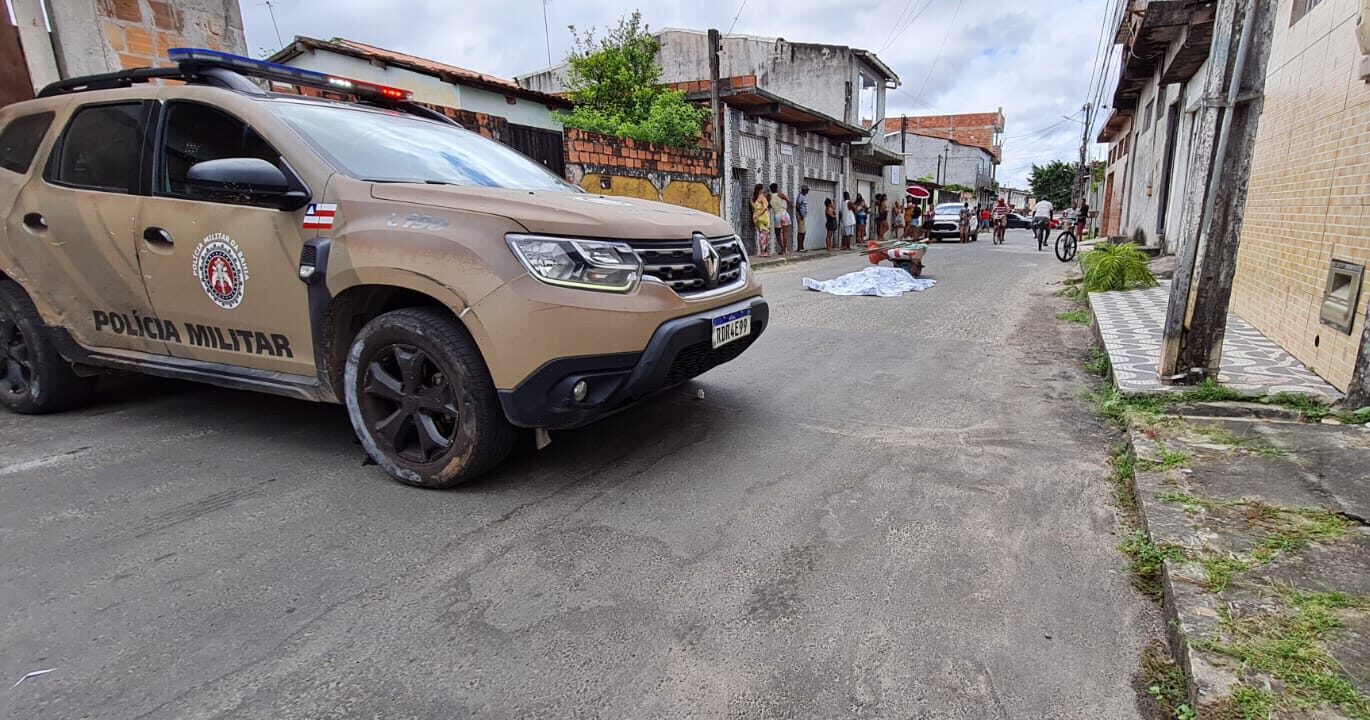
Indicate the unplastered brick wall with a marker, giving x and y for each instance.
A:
(974, 129)
(138, 33)
(1308, 201)
(604, 152)
(625, 167)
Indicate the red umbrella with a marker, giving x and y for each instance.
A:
(918, 192)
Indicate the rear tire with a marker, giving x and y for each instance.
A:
(34, 378)
(1066, 246)
(421, 400)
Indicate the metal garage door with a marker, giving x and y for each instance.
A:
(819, 190)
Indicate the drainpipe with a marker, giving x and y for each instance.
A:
(37, 42)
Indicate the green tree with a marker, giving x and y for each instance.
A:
(613, 83)
(1054, 182)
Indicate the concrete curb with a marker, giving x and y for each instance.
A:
(794, 257)
(1190, 611)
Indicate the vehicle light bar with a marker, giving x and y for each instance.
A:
(252, 67)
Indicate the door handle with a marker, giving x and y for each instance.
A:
(35, 221)
(158, 236)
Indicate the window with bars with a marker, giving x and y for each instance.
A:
(1301, 8)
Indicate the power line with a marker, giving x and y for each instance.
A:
(907, 6)
(1043, 131)
(943, 46)
(738, 15)
(900, 30)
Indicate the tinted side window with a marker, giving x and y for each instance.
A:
(100, 148)
(19, 141)
(196, 133)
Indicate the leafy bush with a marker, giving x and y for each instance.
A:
(1116, 267)
(612, 83)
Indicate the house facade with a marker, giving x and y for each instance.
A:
(973, 147)
(1305, 242)
(794, 114)
(495, 107)
(1165, 46)
(947, 162)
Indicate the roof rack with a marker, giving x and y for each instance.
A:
(220, 69)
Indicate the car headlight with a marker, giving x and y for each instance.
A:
(586, 264)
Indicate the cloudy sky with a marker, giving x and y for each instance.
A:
(1035, 60)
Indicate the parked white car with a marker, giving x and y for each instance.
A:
(947, 223)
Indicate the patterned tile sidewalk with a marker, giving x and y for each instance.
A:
(1130, 325)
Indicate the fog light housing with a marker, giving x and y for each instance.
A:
(580, 391)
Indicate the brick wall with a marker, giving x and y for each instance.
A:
(974, 129)
(138, 33)
(605, 153)
(1308, 202)
(650, 171)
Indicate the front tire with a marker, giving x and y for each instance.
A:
(34, 378)
(421, 400)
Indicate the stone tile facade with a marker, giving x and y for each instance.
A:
(1309, 196)
(759, 150)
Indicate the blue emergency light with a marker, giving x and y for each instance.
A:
(252, 67)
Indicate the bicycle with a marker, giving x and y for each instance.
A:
(1066, 246)
(1000, 226)
(1041, 229)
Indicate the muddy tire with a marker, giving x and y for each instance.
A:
(34, 378)
(421, 400)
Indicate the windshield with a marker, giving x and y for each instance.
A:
(383, 146)
(950, 208)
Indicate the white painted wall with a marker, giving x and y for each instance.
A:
(429, 89)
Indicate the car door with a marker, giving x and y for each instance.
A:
(72, 230)
(225, 270)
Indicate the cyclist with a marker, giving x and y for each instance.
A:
(1081, 220)
(1041, 222)
(1000, 219)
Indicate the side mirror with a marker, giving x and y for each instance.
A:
(248, 180)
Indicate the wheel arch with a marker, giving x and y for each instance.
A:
(358, 303)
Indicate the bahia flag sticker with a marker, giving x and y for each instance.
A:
(319, 216)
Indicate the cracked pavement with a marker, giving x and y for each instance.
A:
(886, 508)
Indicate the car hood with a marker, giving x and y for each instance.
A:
(565, 213)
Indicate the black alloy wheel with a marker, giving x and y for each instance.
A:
(16, 363)
(409, 404)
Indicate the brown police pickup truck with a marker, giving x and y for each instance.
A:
(446, 289)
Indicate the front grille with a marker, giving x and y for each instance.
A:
(697, 359)
(672, 262)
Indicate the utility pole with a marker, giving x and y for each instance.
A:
(904, 146)
(716, 112)
(1196, 318)
(1080, 181)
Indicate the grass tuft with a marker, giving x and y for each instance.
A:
(1098, 363)
(1165, 682)
(1290, 645)
(1145, 561)
(1079, 316)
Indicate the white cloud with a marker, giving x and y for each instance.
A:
(1034, 61)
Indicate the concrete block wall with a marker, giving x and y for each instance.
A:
(1308, 201)
(98, 36)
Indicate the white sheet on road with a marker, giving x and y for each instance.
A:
(875, 280)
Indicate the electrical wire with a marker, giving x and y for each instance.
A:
(942, 47)
(906, 25)
(738, 15)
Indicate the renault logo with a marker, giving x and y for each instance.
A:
(707, 260)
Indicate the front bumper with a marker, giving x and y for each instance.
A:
(679, 350)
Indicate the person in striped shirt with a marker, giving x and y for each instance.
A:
(1000, 219)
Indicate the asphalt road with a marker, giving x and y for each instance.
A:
(888, 508)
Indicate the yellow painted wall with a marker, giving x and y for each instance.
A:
(686, 193)
(691, 194)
